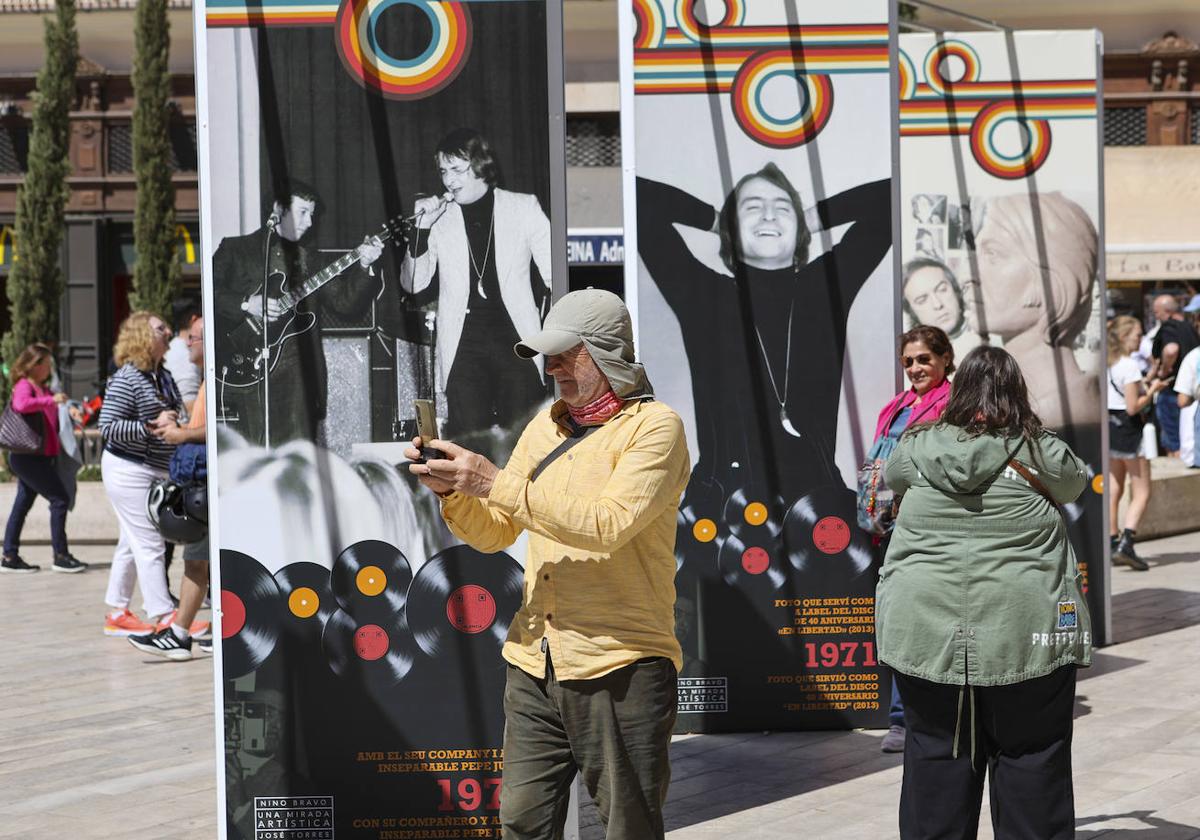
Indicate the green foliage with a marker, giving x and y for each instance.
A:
(35, 286)
(156, 274)
(908, 11)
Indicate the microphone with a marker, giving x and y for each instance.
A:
(443, 199)
(273, 220)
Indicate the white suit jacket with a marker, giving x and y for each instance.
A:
(522, 233)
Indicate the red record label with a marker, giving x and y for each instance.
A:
(370, 642)
(831, 535)
(471, 609)
(755, 560)
(233, 614)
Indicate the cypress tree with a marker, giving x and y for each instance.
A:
(35, 284)
(156, 274)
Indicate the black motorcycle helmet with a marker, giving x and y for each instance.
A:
(168, 510)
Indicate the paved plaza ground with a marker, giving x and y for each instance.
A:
(98, 741)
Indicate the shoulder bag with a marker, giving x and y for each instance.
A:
(22, 434)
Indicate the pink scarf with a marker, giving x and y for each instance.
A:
(598, 411)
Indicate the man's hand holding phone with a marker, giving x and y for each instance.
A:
(459, 470)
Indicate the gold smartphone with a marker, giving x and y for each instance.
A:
(427, 429)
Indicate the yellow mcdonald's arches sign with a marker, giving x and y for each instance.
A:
(189, 247)
(8, 245)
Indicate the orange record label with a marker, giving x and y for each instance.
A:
(371, 580)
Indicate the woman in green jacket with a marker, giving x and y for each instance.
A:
(980, 611)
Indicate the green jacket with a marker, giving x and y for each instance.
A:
(979, 585)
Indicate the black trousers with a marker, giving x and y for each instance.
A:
(36, 476)
(615, 731)
(1022, 737)
(489, 386)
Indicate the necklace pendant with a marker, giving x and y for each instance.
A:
(786, 422)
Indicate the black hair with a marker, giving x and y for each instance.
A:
(185, 312)
(731, 246)
(990, 395)
(915, 265)
(473, 147)
(286, 191)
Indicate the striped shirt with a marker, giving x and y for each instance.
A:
(133, 399)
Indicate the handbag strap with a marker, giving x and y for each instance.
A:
(557, 452)
(1033, 480)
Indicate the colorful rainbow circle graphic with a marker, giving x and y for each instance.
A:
(694, 28)
(946, 49)
(908, 76)
(407, 78)
(651, 24)
(780, 132)
(1009, 167)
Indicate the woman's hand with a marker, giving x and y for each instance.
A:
(164, 419)
(60, 398)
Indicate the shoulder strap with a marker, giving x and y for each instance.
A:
(1033, 480)
(555, 453)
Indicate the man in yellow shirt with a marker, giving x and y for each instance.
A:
(595, 480)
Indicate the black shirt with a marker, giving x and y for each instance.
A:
(1175, 331)
(479, 219)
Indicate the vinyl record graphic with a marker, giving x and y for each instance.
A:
(307, 599)
(749, 509)
(373, 655)
(752, 565)
(822, 538)
(251, 614)
(370, 580)
(461, 603)
(698, 528)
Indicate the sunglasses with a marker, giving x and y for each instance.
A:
(922, 359)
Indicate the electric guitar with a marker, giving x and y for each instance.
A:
(247, 355)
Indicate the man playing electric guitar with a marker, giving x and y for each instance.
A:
(293, 374)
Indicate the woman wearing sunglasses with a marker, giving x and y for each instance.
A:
(927, 358)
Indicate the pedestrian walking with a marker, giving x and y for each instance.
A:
(37, 472)
(1129, 398)
(980, 612)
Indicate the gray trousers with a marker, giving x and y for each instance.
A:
(615, 731)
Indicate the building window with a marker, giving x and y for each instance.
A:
(120, 148)
(1125, 126)
(1195, 116)
(181, 135)
(594, 141)
(14, 147)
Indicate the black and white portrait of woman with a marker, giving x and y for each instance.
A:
(1036, 260)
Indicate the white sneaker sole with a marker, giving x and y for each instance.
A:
(8, 571)
(72, 571)
(175, 654)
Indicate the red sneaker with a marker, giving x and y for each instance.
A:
(125, 623)
(199, 629)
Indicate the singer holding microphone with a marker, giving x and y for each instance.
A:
(480, 240)
(277, 258)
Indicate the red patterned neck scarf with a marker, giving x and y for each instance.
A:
(598, 411)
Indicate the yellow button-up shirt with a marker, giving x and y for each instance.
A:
(600, 570)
